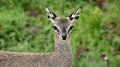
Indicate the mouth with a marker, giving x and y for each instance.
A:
(64, 38)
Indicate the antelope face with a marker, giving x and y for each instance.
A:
(63, 26)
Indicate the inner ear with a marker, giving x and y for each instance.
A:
(75, 15)
(50, 14)
(54, 16)
(71, 16)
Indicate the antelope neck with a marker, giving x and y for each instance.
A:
(63, 46)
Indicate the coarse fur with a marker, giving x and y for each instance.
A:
(61, 57)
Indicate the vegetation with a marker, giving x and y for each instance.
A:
(24, 27)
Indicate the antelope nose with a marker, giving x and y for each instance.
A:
(64, 36)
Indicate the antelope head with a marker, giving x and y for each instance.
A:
(63, 26)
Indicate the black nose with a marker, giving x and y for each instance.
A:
(64, 36)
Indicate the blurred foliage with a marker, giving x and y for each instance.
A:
(24, 27)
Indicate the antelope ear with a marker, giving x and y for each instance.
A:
(50, 14)
(75, 15)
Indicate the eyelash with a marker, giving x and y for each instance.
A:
(71, 28)
(55, 28)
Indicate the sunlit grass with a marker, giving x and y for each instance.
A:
(96, 30)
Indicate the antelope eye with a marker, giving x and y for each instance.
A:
(71, 28)
(55, 28)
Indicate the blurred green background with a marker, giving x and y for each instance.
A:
(24, 27)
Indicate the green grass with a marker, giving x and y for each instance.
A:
(97, 30)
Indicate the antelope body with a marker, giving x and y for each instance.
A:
(61, 57)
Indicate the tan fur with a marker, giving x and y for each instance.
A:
(62, 57)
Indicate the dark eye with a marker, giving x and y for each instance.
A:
(55, 28)
(71, 28)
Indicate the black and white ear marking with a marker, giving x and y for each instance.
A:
(75, 15)
(50, 14)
